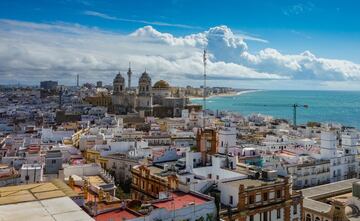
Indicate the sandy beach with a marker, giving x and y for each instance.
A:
(223, 95)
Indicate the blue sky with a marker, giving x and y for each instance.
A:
(328, 29)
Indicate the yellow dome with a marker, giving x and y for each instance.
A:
(161, 85)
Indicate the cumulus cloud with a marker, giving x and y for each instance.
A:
(225, 46)
(220, 40)
(31, 52)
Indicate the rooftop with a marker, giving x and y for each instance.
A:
(56, 209)
(179, 200)
(323, 190)
(337, 190)
(34, 192)
(249, 183)
(117, 215)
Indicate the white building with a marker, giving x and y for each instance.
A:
(31, 173)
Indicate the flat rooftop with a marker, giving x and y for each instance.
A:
(331, 188)
(179, 200)
(117, 215)
(252, 182)
(56, 209)
(96, 180)
(34, 192)
(338, 190)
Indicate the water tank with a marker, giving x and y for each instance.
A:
(269, 175)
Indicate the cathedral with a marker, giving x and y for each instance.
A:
(148, 100)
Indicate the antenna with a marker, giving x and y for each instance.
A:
(60, 97)
(129, 76)
(204, 93)
(77, 80)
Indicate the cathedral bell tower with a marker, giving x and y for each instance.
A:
(145, 96)
(119, 84)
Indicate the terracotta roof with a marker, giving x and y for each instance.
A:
(179, 200)
(117, 215)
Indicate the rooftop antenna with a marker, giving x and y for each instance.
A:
(60, 97)
(204, 93)
(77, 80)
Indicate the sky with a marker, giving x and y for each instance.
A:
(250, 44)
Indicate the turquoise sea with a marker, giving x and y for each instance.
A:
(324, 106)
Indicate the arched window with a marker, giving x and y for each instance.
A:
(308, 217)
(317, 219)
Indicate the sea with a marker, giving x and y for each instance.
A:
(323, 106)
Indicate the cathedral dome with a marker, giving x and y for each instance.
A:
(161, 85)
(119, 78)
(145, 77)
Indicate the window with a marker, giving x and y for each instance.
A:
(265, 196)
(251, 218)
(231, 200)
(295, 209)
(265, 216)
(278, 194)
(217, 177)
(53, 161)
(278, 213)
(308, 217)
(251, 199)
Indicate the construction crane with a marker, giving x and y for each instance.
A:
(294, 106)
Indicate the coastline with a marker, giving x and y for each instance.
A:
(230, 94)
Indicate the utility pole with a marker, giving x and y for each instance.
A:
(204, 93)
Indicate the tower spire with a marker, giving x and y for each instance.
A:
(129, 73)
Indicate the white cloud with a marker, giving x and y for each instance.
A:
(156, 23)
(31, 52)
(299, 8)
(220, 40)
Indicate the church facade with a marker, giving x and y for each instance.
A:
(146, 99)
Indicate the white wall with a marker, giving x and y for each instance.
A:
(227, 191)
(82, 170)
